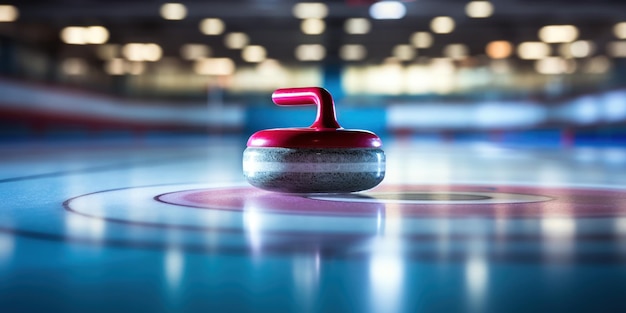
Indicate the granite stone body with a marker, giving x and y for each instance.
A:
(321, 158)
(318, 170)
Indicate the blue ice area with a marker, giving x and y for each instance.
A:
(82, 278)
(105, 257)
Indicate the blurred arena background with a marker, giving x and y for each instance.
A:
(522, 71)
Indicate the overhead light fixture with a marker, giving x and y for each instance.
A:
(551, 66)
(479, 9)
(212, 26)
(312, 26)
(387, 10)
(357, 26)
(78, 35)
(253, 54)
(96, 34)
(133, 51)
(499, 49)
(305, 10)
(620, 30)
(533, 50)
(173, 11)
(422, 40)
(578, 49)
(8, 13)
(142, 52)
(236, 40)
(442, 25)
(352, 52)
(312, 52)
(73, 35)
(152, 52)
(558, 33)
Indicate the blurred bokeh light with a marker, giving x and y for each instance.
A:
(462, 64)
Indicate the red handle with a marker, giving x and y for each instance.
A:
(310, 95)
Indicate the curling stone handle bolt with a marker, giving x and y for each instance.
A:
(310, 95)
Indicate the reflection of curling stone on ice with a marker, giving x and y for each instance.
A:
(323, 158)
(271, 213)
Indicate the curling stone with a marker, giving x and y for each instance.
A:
(323, 158)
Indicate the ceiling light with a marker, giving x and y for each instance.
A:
(194, 51)
(152, 52)
(404, 52)
(357, 26)
(212, 26)
(422, 40)
(312, 26)
(142, 52)
(133, 51)
(533, 50)
(558, 33)
(442, 25)
(352, 52)
(581, 48)
(214, 66)
(96, 34)
(236, 40)
(77, 35)
(173, 11)
(73, 35)
(8, 13)
(387, 10)
(551, 65)
(620, 30)
(310, 10)
(499, 49)
(312, 52)
(479, 9)
(253, 54)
